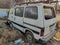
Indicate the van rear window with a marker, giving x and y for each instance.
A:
(49, 12)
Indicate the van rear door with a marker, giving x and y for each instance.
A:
(49, 20)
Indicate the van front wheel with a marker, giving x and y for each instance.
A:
(29, 37)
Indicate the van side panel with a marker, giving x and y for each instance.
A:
(35, 23)
(40, 21)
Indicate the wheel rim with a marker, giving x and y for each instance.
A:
(29, 38)
(11, 25)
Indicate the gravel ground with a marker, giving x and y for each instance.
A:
(51, 42)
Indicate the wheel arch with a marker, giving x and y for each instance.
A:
(29, 31)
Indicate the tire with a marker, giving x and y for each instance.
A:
(29, 37)
(10, 24)
(44, 44)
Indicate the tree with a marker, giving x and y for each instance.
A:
(4, 3)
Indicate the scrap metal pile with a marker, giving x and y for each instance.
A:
(8, 35)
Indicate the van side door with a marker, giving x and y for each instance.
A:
(18, 18)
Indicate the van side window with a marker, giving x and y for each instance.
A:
(31, 12)
(19, 11)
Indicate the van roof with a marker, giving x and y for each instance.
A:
(50, 5)
(34, 3)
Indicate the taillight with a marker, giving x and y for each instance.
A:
(57, 25)
(42, 32)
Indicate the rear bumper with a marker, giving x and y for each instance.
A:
(47, 38)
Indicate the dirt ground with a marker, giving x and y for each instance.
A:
(4, 35)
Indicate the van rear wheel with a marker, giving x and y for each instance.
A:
(29, 37)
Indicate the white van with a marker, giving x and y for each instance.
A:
(36, 21)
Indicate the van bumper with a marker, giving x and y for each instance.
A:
(47, 38)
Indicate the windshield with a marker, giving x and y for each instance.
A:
(49, 12)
